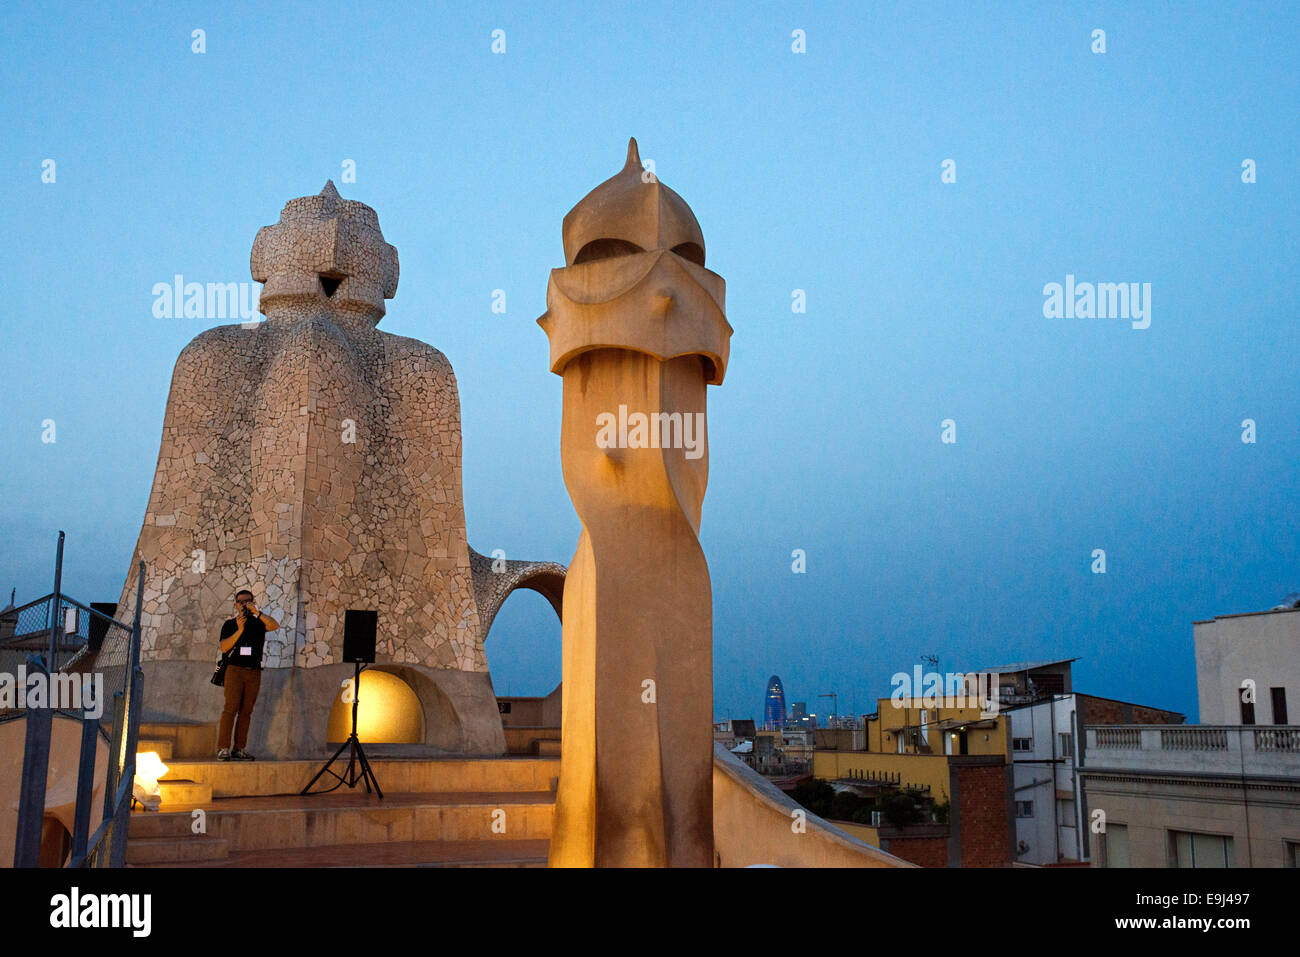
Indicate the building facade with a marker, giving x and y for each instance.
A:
(954, 757)
(1248, 667)
(1194, 796)
(1046, 750)
(1221, 794)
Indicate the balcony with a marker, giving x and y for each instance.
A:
(1271, 751)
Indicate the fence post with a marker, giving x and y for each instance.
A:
(114, 772)
(133, 705)
(55, 603)
(36, 761)
(122, 827)
(85, 785)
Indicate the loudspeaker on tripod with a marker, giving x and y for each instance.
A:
(359, 629)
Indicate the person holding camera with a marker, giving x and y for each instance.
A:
(242, 640)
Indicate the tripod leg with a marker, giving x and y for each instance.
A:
(353, 775)
(325, 768)
(363, 766)
(357, 767)
(368, 773)
(374, 780)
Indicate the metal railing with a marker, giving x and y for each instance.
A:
(26, 630)
(77, 638)
(82, 636)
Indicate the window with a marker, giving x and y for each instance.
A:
(1188, 849)
(1067, 744)
(1114, 846)
(1279, 705)
(1024, 809)
(1022, 744)
(1292, 858)
(1248, 712)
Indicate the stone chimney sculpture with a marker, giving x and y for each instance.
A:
(637, 330)
(317, 461)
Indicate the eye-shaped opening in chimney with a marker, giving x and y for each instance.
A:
(606, 249)
(329, 284)
(691, 252)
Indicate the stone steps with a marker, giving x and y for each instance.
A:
(181, 741)
(436, 811)
(531, 739)
(229, 779)
(497, 853)
(182, 792)
(264, 823)
(163, 747)
(166, 852)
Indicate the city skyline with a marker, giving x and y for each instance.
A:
(845, 537)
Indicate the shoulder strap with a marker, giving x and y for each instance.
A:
(225, 655)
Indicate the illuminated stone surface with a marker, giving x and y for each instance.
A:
(317, 461)
(634, 319)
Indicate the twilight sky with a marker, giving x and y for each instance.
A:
(817, 171)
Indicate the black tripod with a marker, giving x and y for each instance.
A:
(358, 767)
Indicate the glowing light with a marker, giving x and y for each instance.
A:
(388, 711)
(148, 769)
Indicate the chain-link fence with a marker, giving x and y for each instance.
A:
(24, 631)
(57, 635)
(92, 637)
(82, 636)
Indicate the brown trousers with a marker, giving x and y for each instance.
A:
(242, 685)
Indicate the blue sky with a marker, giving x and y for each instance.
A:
(817, 171)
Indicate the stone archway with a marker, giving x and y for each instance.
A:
(496, 578)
